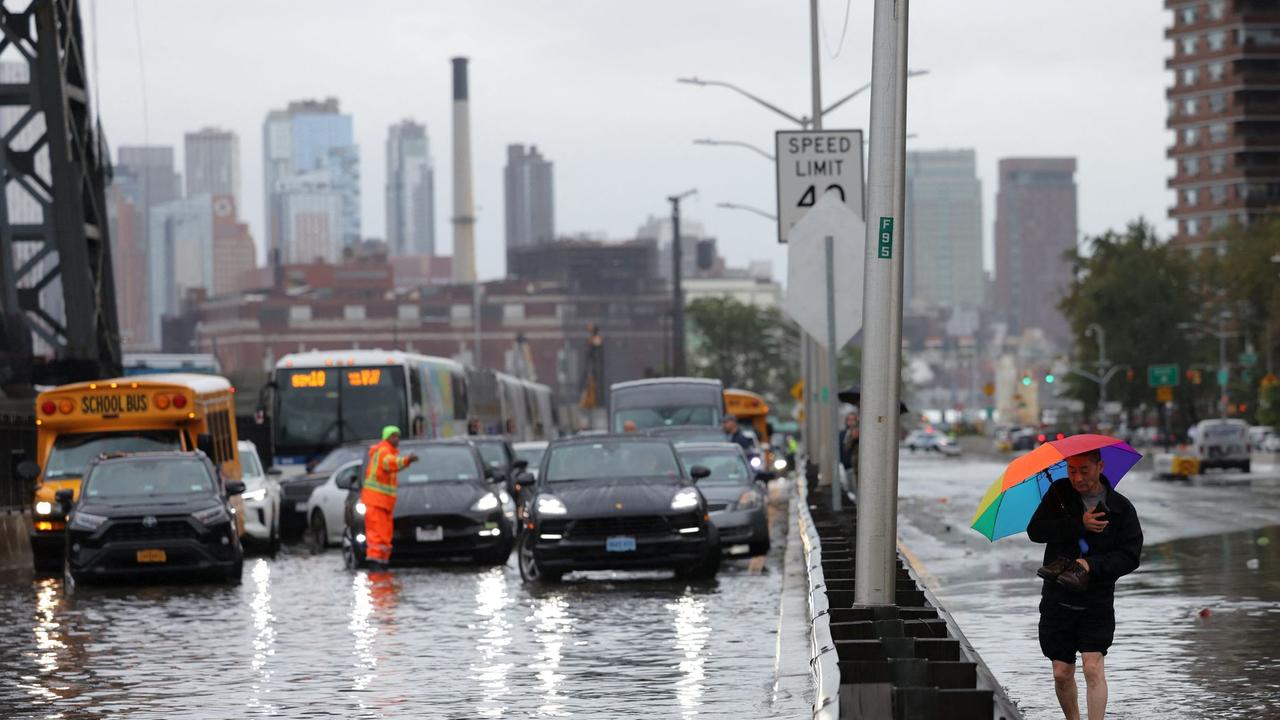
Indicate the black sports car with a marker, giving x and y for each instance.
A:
(616, 502)
(447, 507)
(149, 514)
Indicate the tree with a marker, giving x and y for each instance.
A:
(742, 345)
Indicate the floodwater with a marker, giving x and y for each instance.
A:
(1196, 625)
(303, 637)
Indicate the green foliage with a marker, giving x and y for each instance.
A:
(745, 346)
(1269, 406)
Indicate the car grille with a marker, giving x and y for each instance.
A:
(605, 527)
(136, 531)
(716, 507)
(405, 527)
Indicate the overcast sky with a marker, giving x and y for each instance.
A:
(592, 84)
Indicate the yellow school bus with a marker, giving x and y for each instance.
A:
(751, 409)
(140, 413)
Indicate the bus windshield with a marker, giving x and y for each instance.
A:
(660, 406)
(72, 453)
(319, 408)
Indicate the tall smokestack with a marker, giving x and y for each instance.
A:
(464, 220)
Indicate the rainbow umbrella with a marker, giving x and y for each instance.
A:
(1012, 499)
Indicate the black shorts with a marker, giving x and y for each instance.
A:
(1065, 632)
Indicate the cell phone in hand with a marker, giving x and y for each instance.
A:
(1101, 507)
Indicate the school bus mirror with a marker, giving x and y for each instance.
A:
(235, 487)
(64, 497)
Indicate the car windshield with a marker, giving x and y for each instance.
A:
(492, 452)
(531, 454)
(338, 457)
(149, 478)
(727, 466)
(71, 454)
(439, 464)
(249, 465)
(612, 459)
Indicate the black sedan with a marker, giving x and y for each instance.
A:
(296, 490)
(447, 507)
(616, 502)
(735, 493)
(150, 514)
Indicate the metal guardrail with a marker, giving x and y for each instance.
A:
(822, 648)
(17, 443)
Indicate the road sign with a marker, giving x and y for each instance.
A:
(989, 389)
(1162, 375)
(1248, 358)
(1164, 394)
(1269, 379)
(797, 390)
(1224, 375)
(806, 298)
(811, 164)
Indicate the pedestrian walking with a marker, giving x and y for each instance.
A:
(849, 437)
(474, 427)
(378, 494)
(734, 434)
(1092, 538)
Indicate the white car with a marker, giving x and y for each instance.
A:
(532, 452)
(1271, 443)
(326, 507)
(261, 499)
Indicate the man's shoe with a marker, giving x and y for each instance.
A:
(1055, 568)
(1075, 578)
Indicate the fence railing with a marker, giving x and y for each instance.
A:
(17, 443)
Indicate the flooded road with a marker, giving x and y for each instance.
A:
(303, 637)
(1196, 625)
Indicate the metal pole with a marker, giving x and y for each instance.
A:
(819, 446)
(677, 294)
(882, 312)
(832, 459)
(1222, 365)
(475, 320)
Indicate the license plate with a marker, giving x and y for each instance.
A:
(620, 544)
(152, 556)
(739, 549)
(429, 534)
(300, 507)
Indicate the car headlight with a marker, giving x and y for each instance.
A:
(780, 464)
(487, 502)
(749, 499)
(360, 508)
(212, 515)
(503, 497)
(686, 499)
(254, 495)
(44, 508)
(86, 521)
(756, 462)
(551, 505)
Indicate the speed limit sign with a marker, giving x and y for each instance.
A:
(812, 163)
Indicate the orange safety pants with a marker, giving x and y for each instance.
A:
(377, 532)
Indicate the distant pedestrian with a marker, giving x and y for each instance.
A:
(849, 441)
(378, 493)
(1092, 537)
(629, 426)
(474, 427)
(734, 434)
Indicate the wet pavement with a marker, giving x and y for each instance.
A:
(1196, 624)
(303, 637)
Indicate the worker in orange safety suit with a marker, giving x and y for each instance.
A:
(378, 494)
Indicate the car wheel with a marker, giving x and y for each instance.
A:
(709, 566)
(351, 558)
(45, 564)
(273, 537)
(68, 579)
(234, 574)
(317, 532)
(1246, 466)
(530, 571)
(496, 556)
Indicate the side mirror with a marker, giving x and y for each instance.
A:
(64, 497)
(204, 443)
(489, 473)
(520, 465)
(28, 470)
(234, 487)
(766, 475)
(698, 472)
(344, 481)
(275, 472)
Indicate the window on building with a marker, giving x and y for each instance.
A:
(1191, 136)
(1217, 9)
(1216, 71)
(407, 312)
(1190, 75)
(1218, 222)
(1217, 163)
(1218, 132)
(1193, 227)
(353, 312)
(1191, 197)
(299, 313)
(1191, 166)
(1262, 37)
(1216, 40)
(1218, 194)
(1188, 15)
(1190, 106)
(460, 313)
(1217, 102)
(1189, 43)
(512, 312)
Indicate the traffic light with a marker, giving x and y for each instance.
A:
(1049, 378)
(1194, 376)
(1128, 375)
(1026, 379)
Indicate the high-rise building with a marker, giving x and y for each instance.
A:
(143, 179)
(943, 230)
(309, 148)
(530, 198)
(411, 202)
(1035, 226)
(234, 252)
(212, 163)
(1226, 55)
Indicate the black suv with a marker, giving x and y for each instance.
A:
(616, 502)
(147, 514)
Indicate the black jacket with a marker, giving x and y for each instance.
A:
(741, 438)
(1113, 553)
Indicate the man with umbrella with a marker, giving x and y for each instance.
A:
(1092, 537)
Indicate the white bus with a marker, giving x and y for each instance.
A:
(323, 399)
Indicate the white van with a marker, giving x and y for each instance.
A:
(1222, 443)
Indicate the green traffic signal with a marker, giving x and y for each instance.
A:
(1049, 378)
(1026, 379)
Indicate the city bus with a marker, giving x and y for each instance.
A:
(666, 401)
(140, 413)
(326, 398)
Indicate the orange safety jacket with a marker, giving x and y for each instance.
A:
(379, 489)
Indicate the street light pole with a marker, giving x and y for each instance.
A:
(1095, 330)
(1222, 364)
(677, 291)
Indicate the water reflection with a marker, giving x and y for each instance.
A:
(490, 670)
(363, 631)
(692, 630)
(48, 641)
(551, 625)
(264, 638)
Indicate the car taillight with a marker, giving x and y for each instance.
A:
(1040, 437)
(49, 407)
(179, 401)
(162, 401)
(1061, 436)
